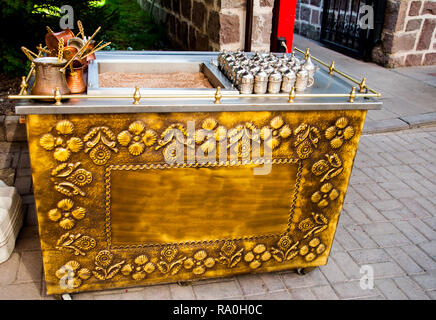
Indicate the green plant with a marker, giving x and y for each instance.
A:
(23, 23)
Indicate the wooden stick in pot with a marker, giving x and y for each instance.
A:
(97, 49)
(79, 52)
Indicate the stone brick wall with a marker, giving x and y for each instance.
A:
(212, 25)
(308, 18)
(409, 36)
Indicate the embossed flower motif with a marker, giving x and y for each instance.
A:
(339, 132)
(80, 177)
(100, 154)
(142, 266)
(228, 248)
(284, 243)
(103, 269)
(71, 275)
(168, 261)
(312, 250)
(77, 243)
(306, 224)
(327, 192)
(199, 263)
(330, 167)
(286, 249)
(274, 134)
(137, 138)
(256, 256)
(62, 149)
(104, 258)
(169, 253)
(65, 214)
(219, 134)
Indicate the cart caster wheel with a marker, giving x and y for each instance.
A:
(65, 296)
(303, 271)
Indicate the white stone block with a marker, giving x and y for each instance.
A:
(11, 220)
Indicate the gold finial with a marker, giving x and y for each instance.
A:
(332, 68)
(58, 96)
(136, 96)
(49, 30)
(307, 53)
(218, 95)
(291, 95)
(23, 86)
(362, 85)
(352, 94)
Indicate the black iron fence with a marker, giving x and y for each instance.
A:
(352, 26)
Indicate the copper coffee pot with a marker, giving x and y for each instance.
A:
(75, 78)
(52, 38)
(49, 76)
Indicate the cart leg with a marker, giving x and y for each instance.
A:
(303, 271)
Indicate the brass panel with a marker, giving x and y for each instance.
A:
(90, 172)
(219, 202)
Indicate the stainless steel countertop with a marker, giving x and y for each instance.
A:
(324, 84)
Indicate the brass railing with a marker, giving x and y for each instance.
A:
(217, 96)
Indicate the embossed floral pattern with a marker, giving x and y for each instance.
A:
(209, 129)
(139, 270)
(330, 167)
(311, 250)
(275, 132)
(255, 257)
(75, 178)
(314, 225)
(103, 268)
(71, 276)
(62, 147)
(327, 192)
(339, 132)
(286, 250)
(199, 263)
(100, 141)
(243, 139)
(307, 139)
(80, 177)
(169, 262)
(77, 243)
(137, 138)
(229, 254)
(65, 214)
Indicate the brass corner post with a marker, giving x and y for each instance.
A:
(307, 53)
(218, 95)
(291, 95)
(58, 96)
(332, 68)
(23, 86)
(362, 85)
(352, 94)
(136, 96)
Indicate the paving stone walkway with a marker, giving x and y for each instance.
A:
(388, 223)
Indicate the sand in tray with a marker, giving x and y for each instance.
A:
(153, 80)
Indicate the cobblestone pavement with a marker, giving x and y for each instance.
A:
(388, 222)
